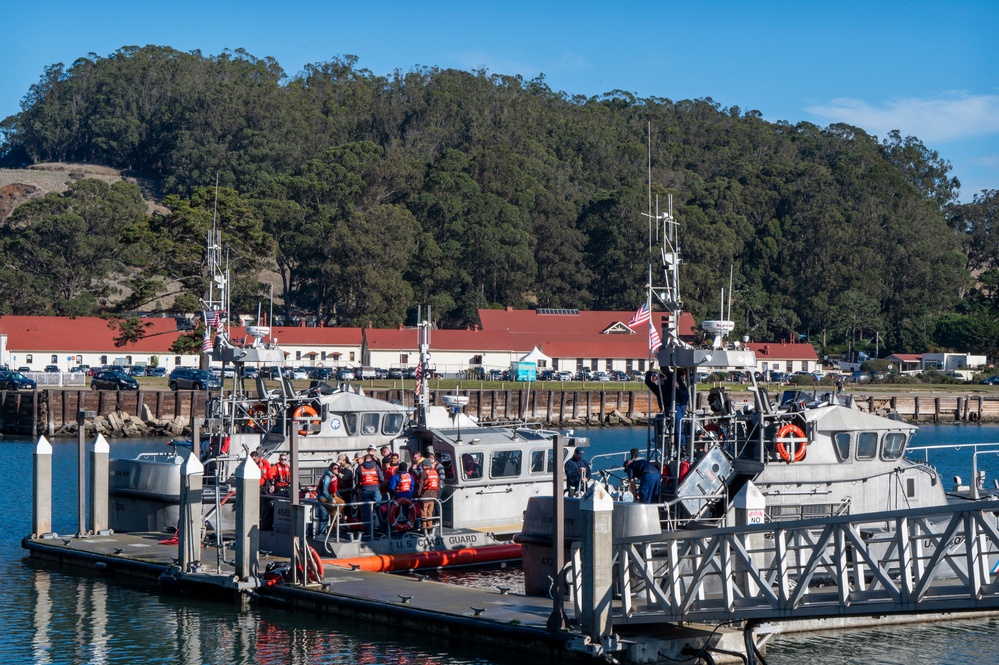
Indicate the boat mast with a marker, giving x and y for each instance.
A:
(422, 390)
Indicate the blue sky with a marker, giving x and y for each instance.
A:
(929, 69)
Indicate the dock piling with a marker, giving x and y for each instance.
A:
(41, 513)
(247, 518)
(597, 546)
(189, 529)
(99, 451)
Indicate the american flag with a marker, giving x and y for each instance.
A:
(654, 340)
(641, 316)
(206, 343)
(419, 379)
(217, 321)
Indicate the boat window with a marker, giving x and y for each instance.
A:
(505, 464)
(471, 466)
(538, 459)
(392, 423)
(447, 462)
(369, 424)
(842, 443)
(867, 445)
(894, 445)
(350, 422)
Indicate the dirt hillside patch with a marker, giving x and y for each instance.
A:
(22, 185)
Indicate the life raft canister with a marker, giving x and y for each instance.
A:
(791, 433)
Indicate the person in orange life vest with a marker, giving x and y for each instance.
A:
(428, 489)
(369, 480)
(438, 467)
(264, 466)
(401, 484)
(281, 474)
(390, 467)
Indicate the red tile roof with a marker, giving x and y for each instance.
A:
(582, 323)
(783, 351)
(88, 334)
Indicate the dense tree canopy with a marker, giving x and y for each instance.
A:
(369, 194)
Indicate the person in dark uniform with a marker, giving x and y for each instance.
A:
(648, 477)
(577, 472)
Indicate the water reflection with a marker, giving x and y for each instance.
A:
(66, 616)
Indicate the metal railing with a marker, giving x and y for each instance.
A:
(939, 559)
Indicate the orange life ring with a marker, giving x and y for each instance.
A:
(402, 514)
(315, 566)
(258, 417)
(304, 411)
(791, 432)
(713, 427)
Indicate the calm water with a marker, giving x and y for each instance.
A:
(56, 616)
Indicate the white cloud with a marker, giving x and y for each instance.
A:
(960, 116)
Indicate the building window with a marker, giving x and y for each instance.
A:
(28, 358)
(298, 355)
(610, 364)
(555, 363)
(476, 360)
(55, 359)
(579, 364)
(403, 358)
(594, 365)
(641, 365)
(628, 365)
(79, 360)
(351, 356)
(104, 360)
(176, 360)
(322, 355)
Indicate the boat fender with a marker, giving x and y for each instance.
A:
(306, 412)
(790, 432)
(402, 514)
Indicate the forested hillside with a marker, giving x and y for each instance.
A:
(370, 194)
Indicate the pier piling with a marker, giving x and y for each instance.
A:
(41, 514)
(596, 510)
(189, 529)
(247, 518)
(99, 452)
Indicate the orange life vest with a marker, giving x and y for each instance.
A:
(368, 476)
(432, 481)
(405, 483)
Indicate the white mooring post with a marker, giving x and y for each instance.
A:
(189, 529)
(247, 518)
(99, 452)
(597, 547)
(41, 506)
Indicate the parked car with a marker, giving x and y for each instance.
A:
(990, 381)
(250, 372)
(600, 376)
(322, 373)
(187, 378)
(52, 369)
(137, 370)
(345, 374)
(23, 369)
(117, 368)
(155, 371)
(113, 381)
(298, 373)
(395, 373)
(16, 381)
(564, 375)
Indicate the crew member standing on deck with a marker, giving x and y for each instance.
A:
(401, 484)
(428, 489)
(281, 474)
(577, 472)
(369, 481)
(648, 477)
(265, 468)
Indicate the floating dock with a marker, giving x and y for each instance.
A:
(486, 616)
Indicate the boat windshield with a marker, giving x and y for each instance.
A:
(894, 445)
(392, 423)
(505, 464)
(350, 423)
(369, 424)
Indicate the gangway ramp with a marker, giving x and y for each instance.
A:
(940, 559)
